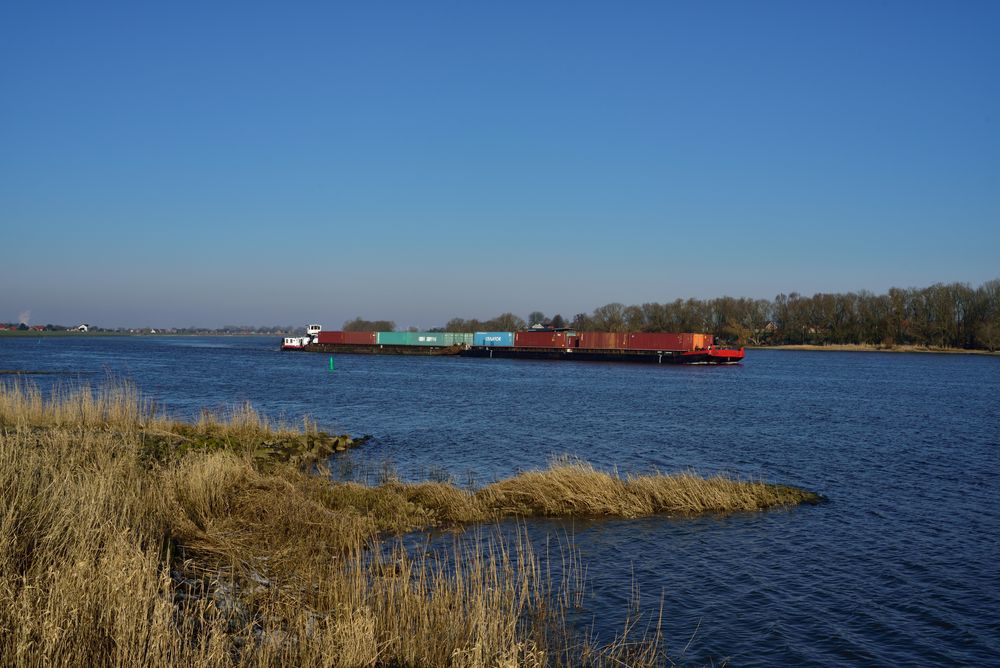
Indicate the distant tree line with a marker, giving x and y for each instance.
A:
(226, 329)
(942, 315)
(24, 327)
(362, 325)
(505, 322)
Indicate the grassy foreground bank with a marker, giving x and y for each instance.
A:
(127, 538)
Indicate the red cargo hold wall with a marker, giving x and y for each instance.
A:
(539, 339)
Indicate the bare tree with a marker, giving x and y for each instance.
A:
(536, 318)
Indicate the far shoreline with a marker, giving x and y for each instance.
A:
(867, 348)
(68, 333)
(832, 347)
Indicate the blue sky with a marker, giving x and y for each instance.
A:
(204, 164)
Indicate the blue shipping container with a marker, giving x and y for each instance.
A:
(493, 339)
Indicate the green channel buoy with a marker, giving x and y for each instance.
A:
(331, 362)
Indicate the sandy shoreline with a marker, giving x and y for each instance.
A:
(860, 348)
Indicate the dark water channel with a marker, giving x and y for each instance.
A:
(900, 567)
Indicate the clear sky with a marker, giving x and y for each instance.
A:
(204, 163)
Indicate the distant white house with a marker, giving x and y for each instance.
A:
(83, 328)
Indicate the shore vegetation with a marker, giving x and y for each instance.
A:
(129, 538)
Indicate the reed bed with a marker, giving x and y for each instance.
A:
(120, 547)
(577, 489)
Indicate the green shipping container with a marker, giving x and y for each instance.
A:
(458, 338)
(392, 338)
(427, 339)
(423, 338)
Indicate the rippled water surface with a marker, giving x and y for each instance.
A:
(900, 567)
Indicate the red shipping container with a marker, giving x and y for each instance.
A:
(659, 341)
(601, 340)
(330, 337)
(360, 338)
(539, 339)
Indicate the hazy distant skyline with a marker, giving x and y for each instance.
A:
(189, 164)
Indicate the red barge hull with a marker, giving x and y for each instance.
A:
(709, 356)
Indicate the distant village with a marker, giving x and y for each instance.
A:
(87, 328)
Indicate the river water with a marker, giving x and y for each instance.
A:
(899, 567)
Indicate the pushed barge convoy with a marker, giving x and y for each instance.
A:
(539, 344)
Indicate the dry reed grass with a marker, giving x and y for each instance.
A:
(113, 554)
(577, 489)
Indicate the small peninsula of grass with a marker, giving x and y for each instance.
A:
(129, 538)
